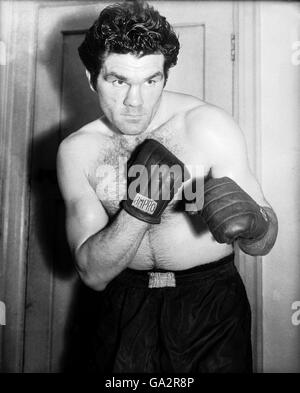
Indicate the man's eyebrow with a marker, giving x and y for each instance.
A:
(158, 73)
(125, 79)
(116, 75)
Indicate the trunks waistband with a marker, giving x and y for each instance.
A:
(161, 278)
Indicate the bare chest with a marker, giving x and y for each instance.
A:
(108, 175)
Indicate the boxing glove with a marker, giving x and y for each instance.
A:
(231, 213)
(160, 175)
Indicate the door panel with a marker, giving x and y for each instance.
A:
(56, 302)
(76, 92)
(188, 76)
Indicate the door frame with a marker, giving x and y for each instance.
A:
(247, 104)
(17, 96)
(16, 114)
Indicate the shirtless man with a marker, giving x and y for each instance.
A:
(173, 300)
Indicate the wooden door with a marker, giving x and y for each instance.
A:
(56, 301)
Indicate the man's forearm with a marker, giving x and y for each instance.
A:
(263, 246)
(105, 254)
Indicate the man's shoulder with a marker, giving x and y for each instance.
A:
(202, 122)
(207, 114)
(215, 133)
(176, 101)
(211, 123)
(195, 110)
(85, 142)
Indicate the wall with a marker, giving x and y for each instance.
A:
(280, 167)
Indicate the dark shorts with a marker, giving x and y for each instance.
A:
(202, 325)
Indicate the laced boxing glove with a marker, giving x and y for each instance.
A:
(160, 175)
(231, 213)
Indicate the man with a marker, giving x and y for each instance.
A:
(172, 299)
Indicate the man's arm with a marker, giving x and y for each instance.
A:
(225, 142)
(101, 249)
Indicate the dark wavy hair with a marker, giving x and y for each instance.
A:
(128, 27)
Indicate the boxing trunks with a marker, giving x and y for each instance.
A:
(190, 321)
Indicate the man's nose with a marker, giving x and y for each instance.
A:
(134, 97)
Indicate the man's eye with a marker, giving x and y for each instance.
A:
(151, 82)
(118, 82)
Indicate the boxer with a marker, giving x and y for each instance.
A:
(171, 299)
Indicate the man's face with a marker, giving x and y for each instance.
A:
(129, 90)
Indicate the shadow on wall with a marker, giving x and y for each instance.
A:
(77, 106)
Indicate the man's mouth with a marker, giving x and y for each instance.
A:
(133, 118)
(132, 115)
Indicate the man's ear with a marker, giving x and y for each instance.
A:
(88, 75)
